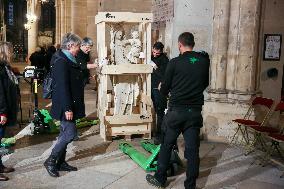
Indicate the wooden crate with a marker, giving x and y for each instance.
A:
(139, 121)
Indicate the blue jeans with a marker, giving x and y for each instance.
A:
(187, 121)
(68, 133)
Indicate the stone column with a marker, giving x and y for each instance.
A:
(240, 77)
(68, 15)
(58, 21)
(33, 7)
(92, 9)
(220, 46)
(243, 48)
(79, 17)
(62, 19)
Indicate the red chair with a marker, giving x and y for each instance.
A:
(246, 122)
(260, 132)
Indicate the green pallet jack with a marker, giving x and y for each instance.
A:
(7, 142)
(45, 124)
(149, 163)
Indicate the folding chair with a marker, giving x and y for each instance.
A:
(246, 122)
(261, 132)
(276, 138)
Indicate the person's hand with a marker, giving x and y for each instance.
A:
(151, 63)
(159, 86)
(69, 115)
(3, 120)
(91, 66)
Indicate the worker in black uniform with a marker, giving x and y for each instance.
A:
(159, 61)
(186, 78)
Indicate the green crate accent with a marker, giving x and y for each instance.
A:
(53, 128)
(7, 142)
(54, 125)
(147, 163)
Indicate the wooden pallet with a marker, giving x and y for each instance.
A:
(129, 137)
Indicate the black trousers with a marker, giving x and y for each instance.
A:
(160, 104)
(187, 121)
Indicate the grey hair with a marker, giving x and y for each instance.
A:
(87, 41)
(70, 39)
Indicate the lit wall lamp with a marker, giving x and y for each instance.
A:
(27, 26)
(31, 17)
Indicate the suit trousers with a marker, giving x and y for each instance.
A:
(68, 133)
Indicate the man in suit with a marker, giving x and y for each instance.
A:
(67, 100)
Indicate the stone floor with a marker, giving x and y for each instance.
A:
(102, 165)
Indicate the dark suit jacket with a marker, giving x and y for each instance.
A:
(9, 96)
(67, 87)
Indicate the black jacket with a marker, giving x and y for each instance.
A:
(37, 60)
(67, 87)
(9, 96)
(158, 74)
(186, 78)
(83, 59)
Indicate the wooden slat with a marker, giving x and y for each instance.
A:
(146, 100)
(123, 17)
(128, 119)
(127, 69)
(126, 130)
(149, 38)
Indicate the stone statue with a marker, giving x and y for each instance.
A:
(117, 47)
(136, 46)
(126, 89)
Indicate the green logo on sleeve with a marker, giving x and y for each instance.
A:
(193, 60)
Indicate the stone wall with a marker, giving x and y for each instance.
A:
(125, 5)
(271, 24)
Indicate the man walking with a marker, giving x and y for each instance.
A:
(186, 78)
(67, 101)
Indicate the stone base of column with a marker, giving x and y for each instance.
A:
(220, 108)
(218, 116)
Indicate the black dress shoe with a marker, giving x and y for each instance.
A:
(66, 167)
(3, 178)
(153, 181)
(50, 165)
(4, 169)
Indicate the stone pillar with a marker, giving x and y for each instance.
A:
(33, 7)
(240, 76)
(243, 48)
(92, 10)
(68, 15)
(79, 17)
(62, 19)
(58, 21)
(220, 46)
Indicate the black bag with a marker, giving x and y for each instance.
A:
(47, 86)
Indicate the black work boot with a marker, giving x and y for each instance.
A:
(153, 181)
(50, 165)
(62, 165)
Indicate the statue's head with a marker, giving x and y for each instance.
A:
(135, 34)
(119, 34)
